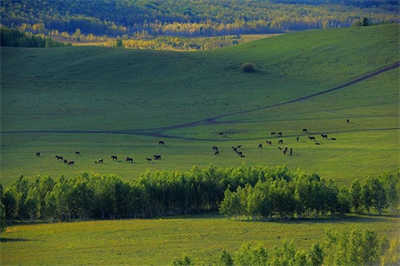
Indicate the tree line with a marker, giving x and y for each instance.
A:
(189, 17)
(248, 191)
(354, 247)
(15, 38)
(310, 196)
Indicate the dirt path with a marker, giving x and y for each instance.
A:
(158, 132)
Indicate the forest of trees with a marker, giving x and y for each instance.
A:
(121, 18)
(242, 191)
(15, 38)
(353, 248)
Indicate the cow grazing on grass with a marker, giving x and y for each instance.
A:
(114, 157)
(332, 138)
(298, 138)
(99, 161)
(220, 133)
(324, 136)
(305, 129)
(71, 162)
(59, 157)
(347, 120)
(273, 133)
(280, 141)
(260, 146)
(78, 153)
(280, 134)
(149, 159)
(317, 143)
(65, 161)
(38, 154)
(268, 142)
(129, 159)
(157, 157)
(161, 142)
(311, 137)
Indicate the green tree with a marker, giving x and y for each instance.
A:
(355, 192)
(226, 259)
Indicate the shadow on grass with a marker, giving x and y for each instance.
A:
(4, 239)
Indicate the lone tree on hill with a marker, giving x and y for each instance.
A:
(248, 68)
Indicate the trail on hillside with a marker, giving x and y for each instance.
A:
(158, 132)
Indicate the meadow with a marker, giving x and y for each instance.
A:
(159, 241)
(103, 101)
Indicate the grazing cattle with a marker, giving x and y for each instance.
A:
(220, 133)
(260, 146)
(280, 141)
(161, 142)
(129, 159)
(317, 143)
(291, 152)
(305, 130)
(71, 162)
(149, 159)
(78, 153)
(280, 134)
(311, 137)
(38, 154)
(268, 142)
(98, 161)
(157, 157)
(215, 148)
(324, 136)
(347, 120)
(65, 161)
(273, 133)
(332, 138)
(114, 157)
(285, 150)
(297, 138)
(59, 157)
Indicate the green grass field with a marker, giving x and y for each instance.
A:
(159, 241)
(78, 89)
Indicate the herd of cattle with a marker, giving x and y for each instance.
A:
(236, 149)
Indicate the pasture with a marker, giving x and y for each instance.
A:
(104, 102)
(159, 241)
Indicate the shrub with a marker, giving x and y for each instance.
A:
(248, 68)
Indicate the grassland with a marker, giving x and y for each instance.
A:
(63, 95)
(159, 241)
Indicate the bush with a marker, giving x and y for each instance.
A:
(248, 68)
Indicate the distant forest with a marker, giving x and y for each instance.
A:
(190, 18)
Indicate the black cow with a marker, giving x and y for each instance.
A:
(215, 148)
(161, 142)
(59, 157)
(260, 146)
(324, 136)
(157, 157)
(71, 162)
(305, 130)
(317, 143)
(99, 161)
(220, 133)
(347, 120)
(129, 159)
(78, 153)
(65, 161)
(280, 134)
(311, 137)
(297, 138)
(268, 142)
(333, 138)
(285, 150)
(280, 141)
(149, 159)
(114, 157)
(273, 133)
(38, 154)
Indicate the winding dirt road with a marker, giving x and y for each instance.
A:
(159, 132)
